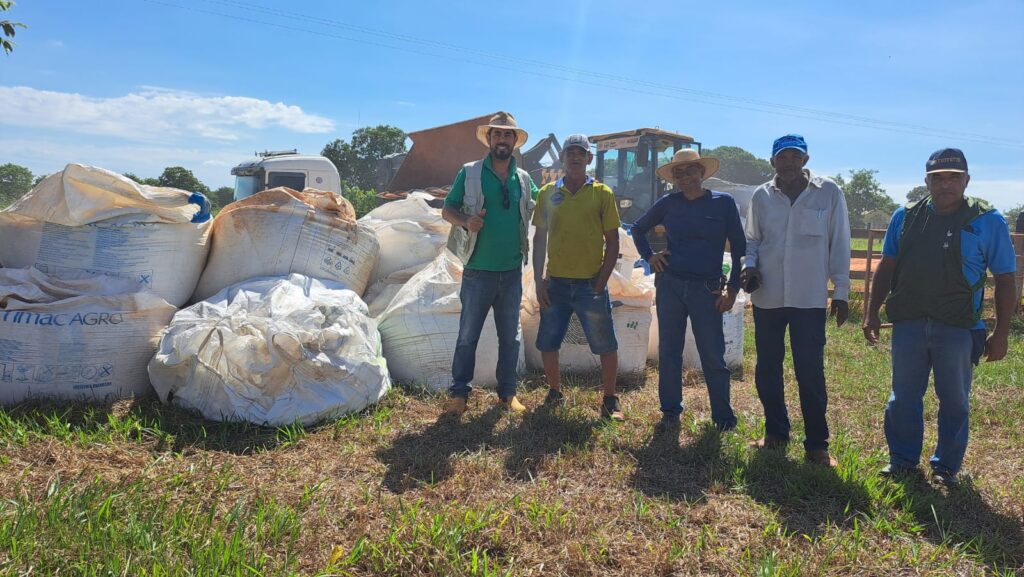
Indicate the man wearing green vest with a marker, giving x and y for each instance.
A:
(578, 235)
(489, 206)
(932, 279)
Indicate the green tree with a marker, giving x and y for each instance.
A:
(357, 161)
(15, 181)
(140, 180)
(740, 166)
(1012, 215)
(182, 178)
(917, 193)
(8, 28)
(863, 194)
(222, 197)
(363, 200)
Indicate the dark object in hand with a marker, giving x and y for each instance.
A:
(751, 284)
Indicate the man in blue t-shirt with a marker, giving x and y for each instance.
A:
(932, 279)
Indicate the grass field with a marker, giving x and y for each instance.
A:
(143, 489)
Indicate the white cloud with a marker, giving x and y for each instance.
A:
(56, 44)
(154, 114)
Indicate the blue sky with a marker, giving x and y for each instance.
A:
(143, 84)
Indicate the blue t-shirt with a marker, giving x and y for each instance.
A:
(696, 231)
(988, 246)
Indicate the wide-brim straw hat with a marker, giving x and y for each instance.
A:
(504, 121)
(688, 156)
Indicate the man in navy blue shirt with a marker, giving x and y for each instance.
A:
(689, 276)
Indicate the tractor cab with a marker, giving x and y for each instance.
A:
(626, 161)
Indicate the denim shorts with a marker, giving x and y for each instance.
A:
(594, 311)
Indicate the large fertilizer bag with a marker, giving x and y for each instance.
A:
(411, 233)
(280, 231)
(273, 351)
(85, 338)
(87, 219)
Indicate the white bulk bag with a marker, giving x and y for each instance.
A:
(420, 327)
(82, 337)
(89, 219)
(411, 234)
(280, 231)
(272, 351)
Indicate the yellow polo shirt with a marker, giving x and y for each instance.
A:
(576, 224)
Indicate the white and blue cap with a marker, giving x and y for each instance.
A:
(579, 140)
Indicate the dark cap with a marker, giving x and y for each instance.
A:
(946, 160)
(789, 141)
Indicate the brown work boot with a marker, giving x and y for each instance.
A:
(821, 457)
(512, 404)
(770, 442)
(455, 406)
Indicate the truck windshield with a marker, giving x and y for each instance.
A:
(246, 186)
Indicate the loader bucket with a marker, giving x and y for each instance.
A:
(438, 153)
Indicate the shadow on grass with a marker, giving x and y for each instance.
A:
(146, 420)
(807, 497)
(961, 515)
(544, 432)
(683, 473)
(425, 457)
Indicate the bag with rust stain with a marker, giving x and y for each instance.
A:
(281, 231)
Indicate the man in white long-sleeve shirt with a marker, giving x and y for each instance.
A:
(798, 238)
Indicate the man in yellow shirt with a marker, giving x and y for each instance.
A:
(578, 233)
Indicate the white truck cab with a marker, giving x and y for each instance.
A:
(285, 168)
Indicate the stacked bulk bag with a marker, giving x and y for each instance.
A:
(86, 219)
(411, 234)
(280, 231)
(78, 337)
(273, 351)
(420, 327)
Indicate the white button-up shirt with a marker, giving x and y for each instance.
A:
(798, 247)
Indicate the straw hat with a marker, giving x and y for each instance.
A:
(688, 156)
(505, 121)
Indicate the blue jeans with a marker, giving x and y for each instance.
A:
(920, 347)
(576, 295)
(481, 292)
(807, 341)
(677, 299)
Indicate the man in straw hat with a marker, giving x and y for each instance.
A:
(798, 238)
(689, 278)
(932, 279)
(489, 207)
(578, 233)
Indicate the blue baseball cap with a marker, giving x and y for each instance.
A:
(789, 141)
(946, 160)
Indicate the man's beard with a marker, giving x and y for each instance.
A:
(501, 152)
